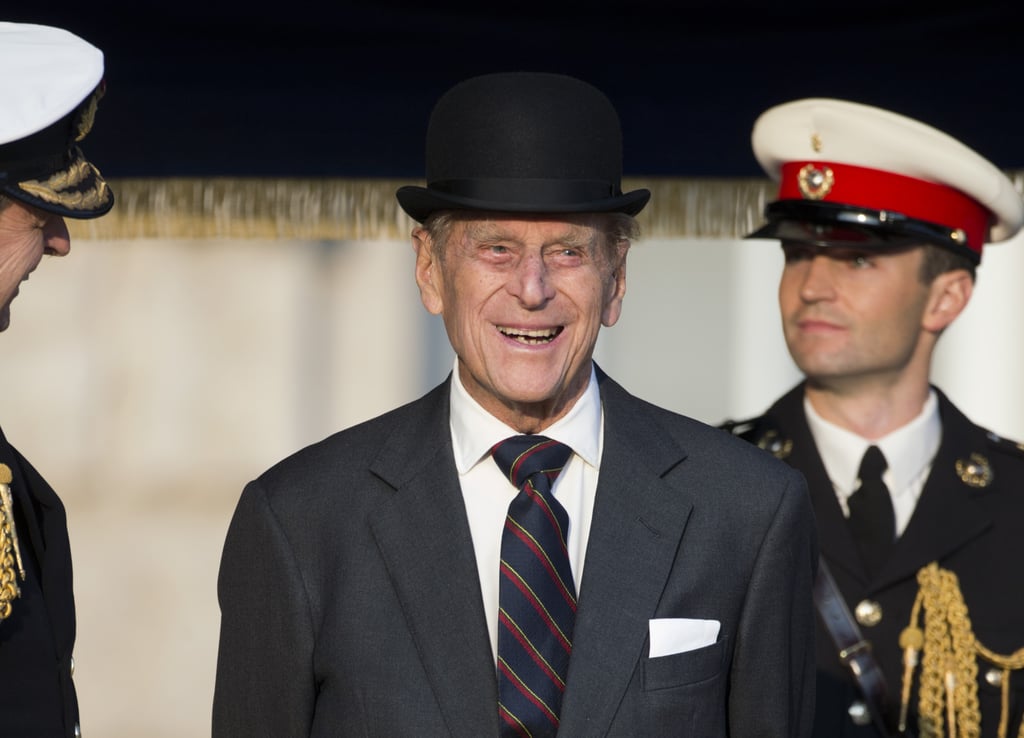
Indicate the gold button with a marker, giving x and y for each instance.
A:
(994, 677)
(78, 731)
(868, 613)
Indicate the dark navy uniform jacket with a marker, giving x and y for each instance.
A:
(971, 526)
(37, 695)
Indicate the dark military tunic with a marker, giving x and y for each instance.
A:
(974, 528)
(37, 695)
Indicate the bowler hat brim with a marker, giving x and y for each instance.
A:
(420, 202)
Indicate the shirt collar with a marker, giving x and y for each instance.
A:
(908, 450)
(475, 431)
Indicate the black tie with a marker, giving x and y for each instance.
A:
(872, 519)
(536, 590)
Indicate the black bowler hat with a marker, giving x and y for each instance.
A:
(523, 142)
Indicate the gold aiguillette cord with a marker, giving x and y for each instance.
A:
(10, 552)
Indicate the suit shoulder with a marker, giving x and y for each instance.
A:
(352, 450)
(727, 451)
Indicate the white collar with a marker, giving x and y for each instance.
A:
(475, 431)
(908, 450)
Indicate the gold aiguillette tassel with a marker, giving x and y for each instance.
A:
(9, 589)
(6, 477)
(951, 696)
(911, 641)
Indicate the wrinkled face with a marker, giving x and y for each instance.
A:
(523, 299)
(849, 314)
(26, 234)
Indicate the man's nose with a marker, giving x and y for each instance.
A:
(56, 239)
(532, 281)
(817, 281)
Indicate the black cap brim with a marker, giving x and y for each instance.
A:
(830, 224)
(77, 190)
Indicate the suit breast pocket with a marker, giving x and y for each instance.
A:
(687, 668)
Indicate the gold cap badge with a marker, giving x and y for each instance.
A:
(815, 183)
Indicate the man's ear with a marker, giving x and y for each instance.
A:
(949, 295)
(616, 289)
(428, 271)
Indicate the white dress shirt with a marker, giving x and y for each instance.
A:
(909, 452)
(487, 492)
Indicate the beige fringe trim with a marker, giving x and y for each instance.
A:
(366, 209)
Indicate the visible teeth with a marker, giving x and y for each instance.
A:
(530, 336)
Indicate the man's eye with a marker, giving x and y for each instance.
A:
(861, 261)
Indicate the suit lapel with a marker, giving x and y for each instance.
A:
(835, 539)
(634, 536)
(787, 419)
(424, 537)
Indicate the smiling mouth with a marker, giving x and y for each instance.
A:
(531, 338)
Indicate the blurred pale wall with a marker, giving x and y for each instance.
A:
(149, 380)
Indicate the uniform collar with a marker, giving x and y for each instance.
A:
(908, 450)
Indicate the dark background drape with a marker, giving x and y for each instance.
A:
(201, 89)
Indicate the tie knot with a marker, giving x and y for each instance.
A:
(520, 457)
(872, 465)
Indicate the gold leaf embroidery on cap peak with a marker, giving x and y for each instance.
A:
(87, 115)
(52, 189)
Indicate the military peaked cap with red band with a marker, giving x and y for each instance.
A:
(858, 176)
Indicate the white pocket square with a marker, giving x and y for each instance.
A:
(678, 635)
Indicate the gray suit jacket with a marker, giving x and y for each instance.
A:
(351, 602)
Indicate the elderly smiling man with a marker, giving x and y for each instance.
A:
(528, 549)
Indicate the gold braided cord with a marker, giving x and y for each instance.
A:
(948, 686)
(8, 581)
(365, 208)
(73, 176)
(8, 542)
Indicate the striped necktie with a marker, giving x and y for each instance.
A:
(536, 593)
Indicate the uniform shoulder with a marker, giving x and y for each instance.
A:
(745, 428)
(1005, 446)
(762, 431)
(983, 456)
